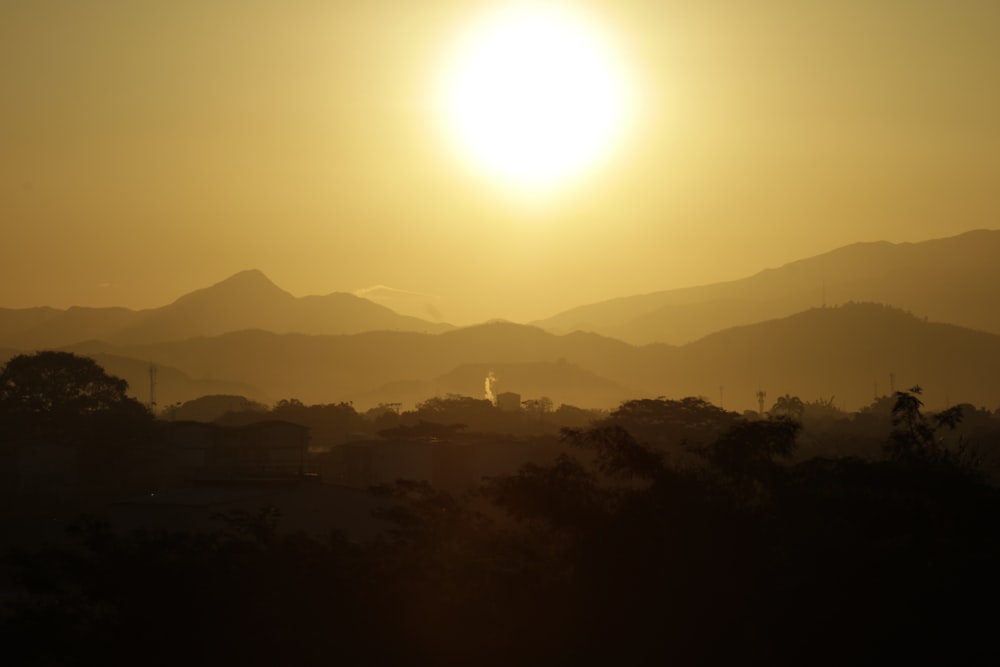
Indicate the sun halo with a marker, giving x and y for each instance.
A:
(534, 96)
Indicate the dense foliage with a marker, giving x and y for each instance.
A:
(61, 386)
(622, 552)
(69, 434)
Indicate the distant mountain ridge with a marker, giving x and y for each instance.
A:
(777, 331)
(851, 352)
(954, 279)
(246, 300)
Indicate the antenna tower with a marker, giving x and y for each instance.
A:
(761, 395)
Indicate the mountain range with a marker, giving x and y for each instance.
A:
(772, 332)
(247, 300)
(956, 280)
(852, 352)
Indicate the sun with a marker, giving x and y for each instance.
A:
(534, 95)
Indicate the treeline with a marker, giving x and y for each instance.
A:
(672, 532)
(335, 423)
(826, 429)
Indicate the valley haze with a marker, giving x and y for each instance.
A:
(849, 324)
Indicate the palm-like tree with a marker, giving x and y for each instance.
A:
(788, 406)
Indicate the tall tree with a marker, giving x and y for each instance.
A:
(62, 385)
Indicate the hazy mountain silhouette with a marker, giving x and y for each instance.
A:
(955, 280)
(247, 300)
(172, 386)
(850, 352)
(14, 321)
(60, 327)
(842, 351)
(334, 368)
(247, 336)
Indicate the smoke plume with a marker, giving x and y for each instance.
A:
(490, 383)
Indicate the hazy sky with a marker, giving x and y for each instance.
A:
(151, 148)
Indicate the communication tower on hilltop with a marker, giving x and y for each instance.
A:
(761, 395)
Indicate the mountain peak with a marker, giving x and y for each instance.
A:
(238, 290)
(249, 277)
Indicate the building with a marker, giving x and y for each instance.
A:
(508, 401)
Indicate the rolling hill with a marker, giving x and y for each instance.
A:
(849, 351)
(247, 300)
(771, 332)
(318, 369)
(956, 280)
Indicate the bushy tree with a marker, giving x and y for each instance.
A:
(61, 385)
(915, 436)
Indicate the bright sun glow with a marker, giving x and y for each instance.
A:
(534, 95)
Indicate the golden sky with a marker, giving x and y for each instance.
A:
(151, 148)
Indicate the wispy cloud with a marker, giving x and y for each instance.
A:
(386, 292)
(405, 302)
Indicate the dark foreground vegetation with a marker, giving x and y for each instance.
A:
(670, 532)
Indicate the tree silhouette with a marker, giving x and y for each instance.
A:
(616, 556)
(789, 406)
(537, 406)
(61, 402)
(62, 385)
(667, 424)
(914, 436)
